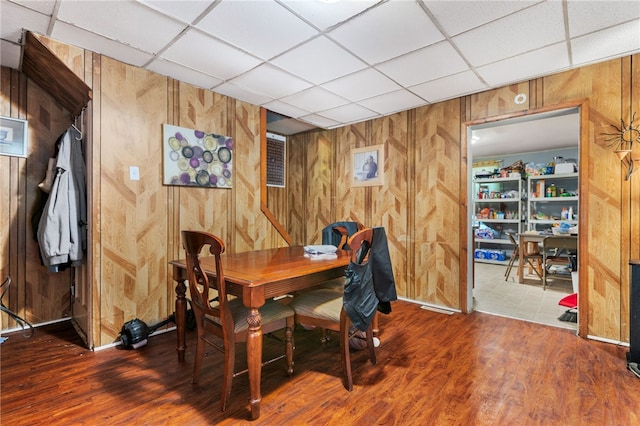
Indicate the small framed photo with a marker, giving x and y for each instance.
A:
(367, 166)
(13, 137)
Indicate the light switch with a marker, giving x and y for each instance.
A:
(134, 173)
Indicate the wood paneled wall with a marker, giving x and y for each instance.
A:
(135, 224)
(423, 203)
(140, 221)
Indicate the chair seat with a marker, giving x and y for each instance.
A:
(323, 303)
(272, 311)
(336, 284)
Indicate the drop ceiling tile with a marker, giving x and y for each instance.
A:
(449, 87)
(361, 85)
(386, 31)
(324, 14)
(10, 54)
(466, 15)
(429, 63)
(534, 64)
(319, 60)
(320, 121)
(390, 103)
(315, 99)
(81, 38)
(191, 50)
(43, 6)
(350, 113)
(620, 40)
(263, 28)
(241, 93)
(181, 73)
(185, 11)
(514, 34)
(589, 16)
(123, 23)
(14, 18)
(285, 109)
(271, 81)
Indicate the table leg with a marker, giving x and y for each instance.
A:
(521, 244)
(181, 318)
(254, 359)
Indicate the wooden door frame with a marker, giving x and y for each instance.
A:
(466, 285)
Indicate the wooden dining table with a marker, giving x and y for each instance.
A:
(256, 276)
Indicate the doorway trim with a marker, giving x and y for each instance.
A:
(466, 284)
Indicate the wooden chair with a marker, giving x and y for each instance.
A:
(530, 256)
(324, 308)
(338, 283)
(226, 319)
(558, 251)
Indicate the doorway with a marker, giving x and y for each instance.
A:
(507, 159)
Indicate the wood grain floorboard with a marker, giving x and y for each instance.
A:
(433, 369)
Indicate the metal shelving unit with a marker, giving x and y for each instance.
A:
(546, 211)
(499, 207)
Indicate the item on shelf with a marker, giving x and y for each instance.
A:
(480, 253)
(517, 167)
(483, 174)
(540, 188)
(564, 168)
(497, 254)
(491, 254)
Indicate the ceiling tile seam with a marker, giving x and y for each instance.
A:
(54, 18)
(567, 33)
(449, 39)
(187, 27)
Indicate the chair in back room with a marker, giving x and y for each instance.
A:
(532, 256)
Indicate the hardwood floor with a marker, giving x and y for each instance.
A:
(433, 369)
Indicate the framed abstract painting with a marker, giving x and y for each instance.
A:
(197, 158)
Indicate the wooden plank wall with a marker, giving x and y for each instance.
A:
(424, 200)
(422, 204)
(135, 225)
(141, 220)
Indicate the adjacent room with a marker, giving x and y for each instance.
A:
(511, 160)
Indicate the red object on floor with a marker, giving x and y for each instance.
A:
(570, 301)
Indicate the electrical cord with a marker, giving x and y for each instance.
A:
(27, 328)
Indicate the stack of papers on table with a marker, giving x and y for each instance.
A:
(321, 251)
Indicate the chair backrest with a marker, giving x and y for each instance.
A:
(344, 235)
(199, 283)
(360, 245)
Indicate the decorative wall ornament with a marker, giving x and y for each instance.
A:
(195, 158)
(13, 137)
(621, 142)
(367, 166)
